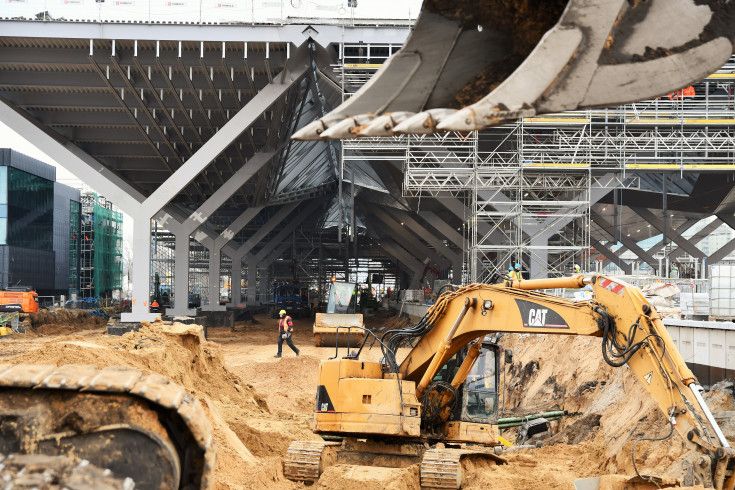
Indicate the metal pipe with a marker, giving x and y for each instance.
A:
(555, 413)
(572, 282)
(710, 418)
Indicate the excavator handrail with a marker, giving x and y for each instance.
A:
(362, 345)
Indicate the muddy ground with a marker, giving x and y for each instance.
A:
(259, 404)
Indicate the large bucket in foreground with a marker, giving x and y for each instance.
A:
(326, 325)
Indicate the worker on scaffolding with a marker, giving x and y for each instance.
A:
(519, 270)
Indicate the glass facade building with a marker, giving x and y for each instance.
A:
(29, 210)
(35, 223)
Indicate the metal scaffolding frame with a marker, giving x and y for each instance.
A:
(537, 174)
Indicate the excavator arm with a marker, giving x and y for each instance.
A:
(632, 333)
(470, 64)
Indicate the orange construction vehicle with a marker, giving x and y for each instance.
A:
(19, 299)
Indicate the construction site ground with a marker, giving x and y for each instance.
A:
(259, 404)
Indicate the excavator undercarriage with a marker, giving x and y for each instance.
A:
(144, 428)
(441, 467)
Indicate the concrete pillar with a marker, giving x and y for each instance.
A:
(236, 281)
(214, 276)
(457, 271)
(539, 258)
(141, 271)
(181, 277)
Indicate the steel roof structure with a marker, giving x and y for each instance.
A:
(190, 124)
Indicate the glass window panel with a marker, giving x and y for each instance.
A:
(30, 211)
(3, 185)
(481, 389)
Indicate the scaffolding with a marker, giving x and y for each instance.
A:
(421, 157)
(74, 246)
(100, 247)
(531, 183)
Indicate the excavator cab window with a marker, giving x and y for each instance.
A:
(480, 395)
(447, 372)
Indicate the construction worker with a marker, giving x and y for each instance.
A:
(154, 305)
(512, 274)
(577, 269)
(519, 271)
(285, 329)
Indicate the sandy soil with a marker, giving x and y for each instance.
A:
(259, 404)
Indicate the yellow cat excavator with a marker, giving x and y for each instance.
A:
(471, 64)
(438, 406)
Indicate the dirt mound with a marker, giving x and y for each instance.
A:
(610, 407)
(62, 322)
(370, 478)
(258, 404)
(179, 353)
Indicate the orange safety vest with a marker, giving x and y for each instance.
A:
(683, 93)
(283, 323)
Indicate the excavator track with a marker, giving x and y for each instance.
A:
(442, 468)
(142, 427)
(305, 460)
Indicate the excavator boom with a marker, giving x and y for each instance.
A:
(468, 64)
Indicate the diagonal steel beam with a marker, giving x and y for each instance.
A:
(408, 241)
(443, 227)
(427, 236)
(657, 223)
(258, 236)
(73, 158)
(227, 134)
(726, 249)
(612, 256)
(280, 236)
(632, 246)
(406, 258)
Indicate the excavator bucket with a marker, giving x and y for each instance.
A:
(330, 328)
(471, 64)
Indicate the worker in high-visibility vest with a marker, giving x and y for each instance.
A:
(512, 274)
(285, 330)
(519, 271)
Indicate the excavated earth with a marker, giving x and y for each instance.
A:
(258, 404)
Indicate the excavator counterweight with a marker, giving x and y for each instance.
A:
(468, 65)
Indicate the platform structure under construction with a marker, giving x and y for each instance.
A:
(531, 185)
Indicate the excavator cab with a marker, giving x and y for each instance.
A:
(476, 399)
(480, 390)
